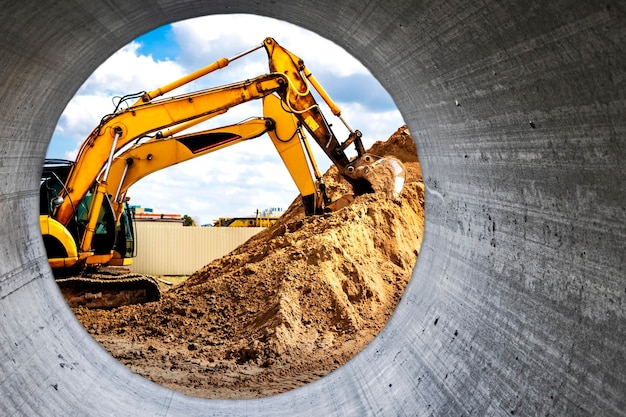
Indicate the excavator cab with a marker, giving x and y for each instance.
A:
(53, 177)
(124, 250)
(61, 241)
(104, 235)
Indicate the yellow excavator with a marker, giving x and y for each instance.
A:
(84, 219)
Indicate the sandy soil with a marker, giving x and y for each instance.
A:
(292, 304)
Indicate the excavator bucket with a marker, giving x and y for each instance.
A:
(384, 174)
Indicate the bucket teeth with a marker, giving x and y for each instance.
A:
(385, 174)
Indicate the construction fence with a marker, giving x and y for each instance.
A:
(171, 249)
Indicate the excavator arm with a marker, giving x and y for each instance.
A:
(299, 100)
(120, 129)
(159, 152)
(365, 172)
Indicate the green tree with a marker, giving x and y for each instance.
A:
(188, 221)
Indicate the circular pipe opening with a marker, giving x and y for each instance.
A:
(296, 301)
(517, 309)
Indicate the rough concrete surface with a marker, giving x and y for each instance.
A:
(517, 303)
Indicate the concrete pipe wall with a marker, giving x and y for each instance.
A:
(518, 302)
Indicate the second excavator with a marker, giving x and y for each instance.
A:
(84, 219)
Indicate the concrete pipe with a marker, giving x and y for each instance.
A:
(517, 305)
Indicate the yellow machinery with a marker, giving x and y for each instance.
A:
(83, 219)
(251, 221)
(262, 218)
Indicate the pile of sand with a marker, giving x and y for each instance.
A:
(290, 305)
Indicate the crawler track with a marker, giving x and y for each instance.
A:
(109, 291)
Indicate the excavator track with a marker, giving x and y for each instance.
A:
(107, 291)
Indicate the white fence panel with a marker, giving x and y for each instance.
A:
(171, 249)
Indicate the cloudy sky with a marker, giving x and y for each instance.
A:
(238, 180)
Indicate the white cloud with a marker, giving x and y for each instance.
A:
(128, 71)
(374, 125)
(82, 114)
(125, 72)
(239, 33)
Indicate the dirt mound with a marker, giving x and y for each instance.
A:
(400, 145)
(291, 304)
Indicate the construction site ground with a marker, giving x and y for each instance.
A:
(287, 307)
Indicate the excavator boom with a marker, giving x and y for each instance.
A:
(119, 129)
(159, 152)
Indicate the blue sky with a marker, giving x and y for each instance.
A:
(245, 177)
